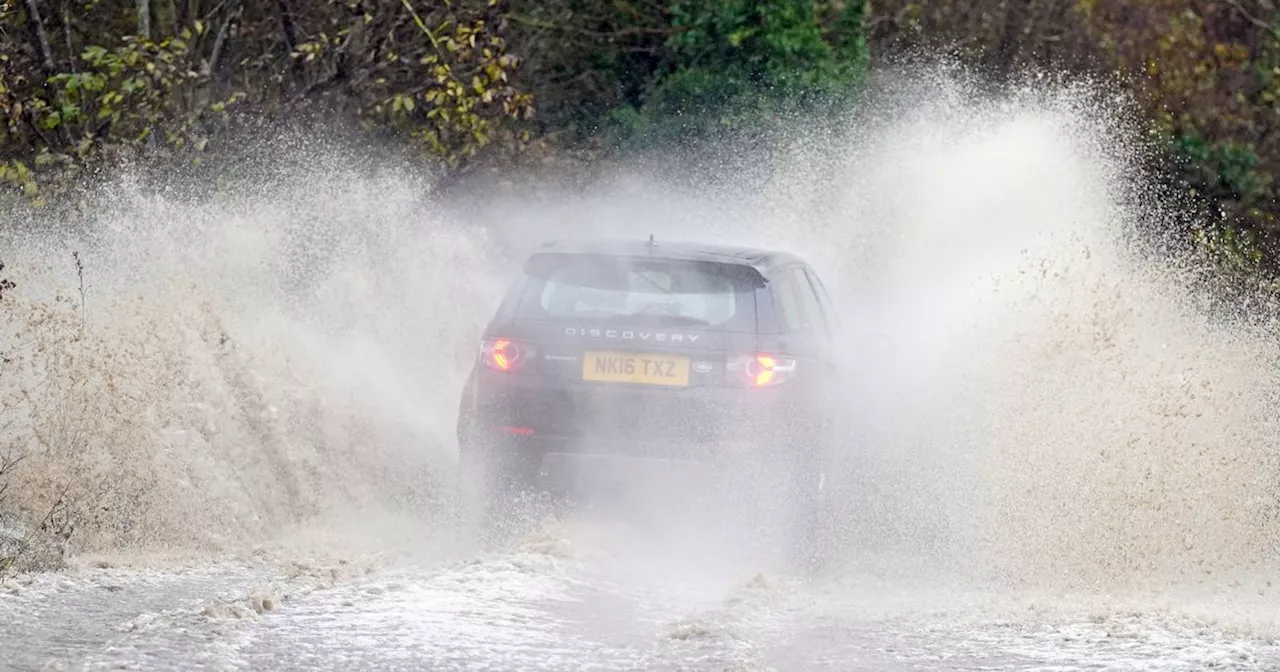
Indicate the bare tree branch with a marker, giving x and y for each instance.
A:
(39, 37)
(1250, 17)
(7, 464)
(290, 32)
(66, 36)
(177, 15)
(1007, 49)
(220, 41)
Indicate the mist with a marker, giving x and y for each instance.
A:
(1039, 399)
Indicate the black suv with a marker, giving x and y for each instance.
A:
(607, 357)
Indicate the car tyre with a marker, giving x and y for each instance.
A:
(497, 490)
(808, 538)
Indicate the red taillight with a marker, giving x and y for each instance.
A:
(504, 354)
(764, 370)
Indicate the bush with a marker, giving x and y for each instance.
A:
(1207, 76)
(734, 66)
(172, 80)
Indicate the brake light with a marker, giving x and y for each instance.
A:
(504, 354)
(764, 370)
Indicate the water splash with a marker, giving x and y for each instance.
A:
(1038, 400)
(241, 363)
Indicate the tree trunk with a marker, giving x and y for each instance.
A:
(220, 40)
(144, 18)
(1006, 56)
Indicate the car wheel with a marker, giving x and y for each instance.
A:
(811, 513)
(497, 490)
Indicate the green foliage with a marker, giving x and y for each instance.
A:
(436, 73)
(1226, 174)
(122, 99)
(442, 79)
(1208, 79)
(585, 58)
(1236, 249)
(86, 85)
(1207, 74)
(734, 64)
(1223, 171)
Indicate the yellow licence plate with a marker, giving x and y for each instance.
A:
(626, 367)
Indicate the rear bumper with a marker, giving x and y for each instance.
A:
(710, 450)
(574, 437)
(556, 462)
(694, 424)
(570, 469)
(617, 465)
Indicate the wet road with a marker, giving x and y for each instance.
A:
(558, 604)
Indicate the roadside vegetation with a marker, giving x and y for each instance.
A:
(472, 86)
(485, 82)
(1206, 73)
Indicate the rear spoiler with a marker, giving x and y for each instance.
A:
(542, 264)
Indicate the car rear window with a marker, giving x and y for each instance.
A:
(625, 290)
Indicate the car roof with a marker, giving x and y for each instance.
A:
(759, 258)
